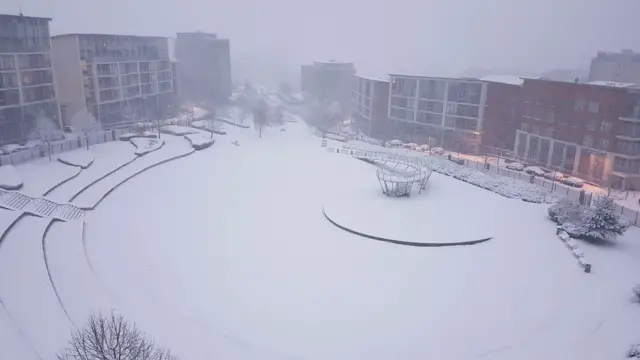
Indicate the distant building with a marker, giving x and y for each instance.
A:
(370, 106)
(112, 79)
(204, 67)
(503, 112)
(27, 92)
(621, 67)
(325, 83)
(588, 130)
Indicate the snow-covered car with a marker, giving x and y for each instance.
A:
(11, 148)
(423, 148)
(573, 181)
(437, 151)
(33, 143)
(515, 166)
(394, 142)
(410, 146)
(554, 175)
(534, 170)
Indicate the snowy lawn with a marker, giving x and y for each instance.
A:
(146, 145)
(10, 178)
(79, 158)
(247, 267)
(200, 141)
(177, 130)
(27, 294)
(226, 254)
(173, 147)
(40, 176)
(108, 158)
(145, 134)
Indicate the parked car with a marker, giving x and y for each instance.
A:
(410, 146)
(394, 143)
(67, 129)
(423, 148)
(33, 143)
(573, 181)
(534, 170)
(10, 148)
(554, 175)
(437, 151)
(515, 166)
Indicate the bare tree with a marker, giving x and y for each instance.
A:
(324, 118)
(260, 115)
(112, 338)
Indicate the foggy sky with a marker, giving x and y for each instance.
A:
(427, 37)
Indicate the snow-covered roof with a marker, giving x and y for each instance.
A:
(374, 78)
(612, 84)
(504, 79)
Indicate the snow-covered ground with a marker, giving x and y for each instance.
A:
(10, 178)
(225, 254)
(78, 158)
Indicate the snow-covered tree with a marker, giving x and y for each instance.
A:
(601, 220)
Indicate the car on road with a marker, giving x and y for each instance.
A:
(515, 166)
(437, 151)
(534, 170)
(554, 175)
(573, 181)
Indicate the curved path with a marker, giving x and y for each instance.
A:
(336, 222)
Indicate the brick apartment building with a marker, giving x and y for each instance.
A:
(589, 130)
(455, 113)
(370, 106)
(27, 91)
(112, 79)
(204, 67)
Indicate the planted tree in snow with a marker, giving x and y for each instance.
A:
(112, 338)
(602, 222)
(260, 115)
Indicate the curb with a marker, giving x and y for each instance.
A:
(63, 182)
(102, 177)
(400, 242)
(46, 264)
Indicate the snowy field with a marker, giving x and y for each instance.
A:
(225, 254)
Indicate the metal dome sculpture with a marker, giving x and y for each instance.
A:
(399, 175)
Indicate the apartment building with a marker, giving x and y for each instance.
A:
(370, 106)
(27, 91)
(204, 67)
(590, 130)
(325, 83)
(623, 66)
(112, 80)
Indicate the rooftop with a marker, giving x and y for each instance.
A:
(504, 79)
(374, 78)
(612, 84)
(26, 17)
(437, 78)
(123, 35)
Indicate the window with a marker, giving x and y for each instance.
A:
(587, 141)
(579, 105)
(452, 108)
(548, 131)
(590, 125)
(604, 144)
(593, 107)
(605, 127)
(525, 127)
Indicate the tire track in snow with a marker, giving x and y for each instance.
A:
(46, 264)
(22, 334)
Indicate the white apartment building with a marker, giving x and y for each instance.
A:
(112, 79)
(27, 93)
(449, 112)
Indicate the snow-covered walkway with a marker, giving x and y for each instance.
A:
(174, 147)
(40, 176)
(108, 157)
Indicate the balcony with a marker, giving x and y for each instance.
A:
(629, 131)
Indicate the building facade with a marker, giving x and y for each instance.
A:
(440, 111)
(28, 103)
(112, 80)
(327, 83)
(503, 111)
(621, 67)
(590, 131)
(370, 106)
(204, 67)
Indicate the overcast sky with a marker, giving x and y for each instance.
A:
(427, 37)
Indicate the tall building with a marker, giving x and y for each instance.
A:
(460, 114)
(204, 67)
(588, 130)
(621, 67)
(112, 79)
(27, 91)
(370, 106)
(325, 83)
